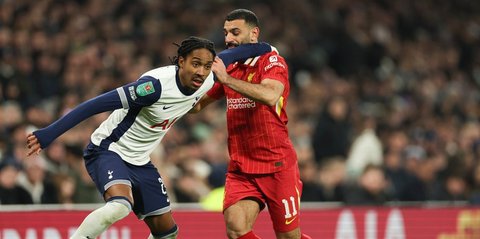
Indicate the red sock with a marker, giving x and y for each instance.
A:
(305, 236)
(250, 235)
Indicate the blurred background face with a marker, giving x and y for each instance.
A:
(456, 185)
(338, 108)
(35, 169)
(373, 181)
(8, 177)
(239, 32)
(195, 68)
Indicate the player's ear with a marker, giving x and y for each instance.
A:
(254, 33)
(181, 61)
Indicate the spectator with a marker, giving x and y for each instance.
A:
(421, 180)
(10, 191)
(332, 177)
(35, 181)
(66, 188)
(474, 195)
(366, 149)
(452, 189)
(371, 189)
(312, 190)
(333, 130)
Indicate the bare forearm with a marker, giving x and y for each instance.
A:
(268, 92)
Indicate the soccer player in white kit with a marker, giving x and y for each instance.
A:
(118, 156)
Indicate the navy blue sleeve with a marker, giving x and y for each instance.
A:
(105, 102)
(243, 52)
(143, 92)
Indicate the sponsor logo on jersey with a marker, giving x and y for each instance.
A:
(240, 103)
(145, 89)
(165, 124)
(273, 59)
(131, 90)
(273, 64)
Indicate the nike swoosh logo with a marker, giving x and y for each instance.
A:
(287, 222)
(165, 107)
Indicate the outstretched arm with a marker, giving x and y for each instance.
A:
(42, 138)
(244, 52)
(123, 97)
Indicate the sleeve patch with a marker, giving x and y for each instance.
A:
(273, 59)
(131, 90)
(145, 89)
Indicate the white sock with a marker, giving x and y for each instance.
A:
(99, 220)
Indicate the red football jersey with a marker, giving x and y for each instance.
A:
(258, 139)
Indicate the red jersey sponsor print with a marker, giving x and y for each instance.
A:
(258, 139)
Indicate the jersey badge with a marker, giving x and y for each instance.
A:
(145, 89)
(250, 77)
(273, 58)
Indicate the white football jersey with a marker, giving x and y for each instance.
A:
(151, 106)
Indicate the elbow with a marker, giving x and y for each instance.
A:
(271, 101)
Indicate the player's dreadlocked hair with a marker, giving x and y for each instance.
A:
(247, 15)
(190, 44)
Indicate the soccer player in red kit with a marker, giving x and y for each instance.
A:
(263, 168)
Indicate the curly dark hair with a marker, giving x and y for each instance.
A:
(190, 44)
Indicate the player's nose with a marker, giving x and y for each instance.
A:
(229, 38)
(201, 71)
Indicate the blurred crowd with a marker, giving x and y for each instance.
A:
(385, 101)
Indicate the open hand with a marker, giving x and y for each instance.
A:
(219, 70)
(33, 145)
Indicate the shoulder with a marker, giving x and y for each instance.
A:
(161, 72)
(161, 77)
(273, 60)
(272, 56)
(148, 89)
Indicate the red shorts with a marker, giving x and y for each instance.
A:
(280, 191)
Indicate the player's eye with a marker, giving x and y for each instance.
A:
(208, 67)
